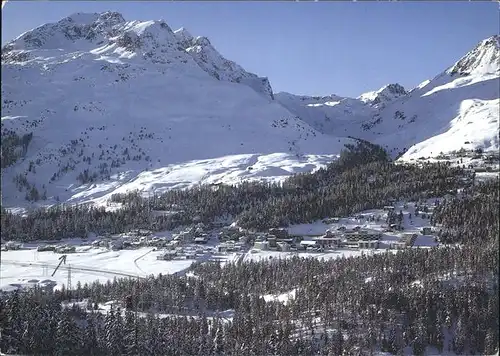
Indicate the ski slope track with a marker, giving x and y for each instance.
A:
(136, 105)
(116, 105)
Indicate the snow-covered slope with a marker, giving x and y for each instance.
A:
(107, 99)
(114, 105)
(331, 115)
(483, 59)
(219, 67)
(458, 108)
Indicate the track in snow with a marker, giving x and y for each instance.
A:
(73, 268)
(138, 258)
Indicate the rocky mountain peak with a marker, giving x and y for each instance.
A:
(483, 59)
(385, 94)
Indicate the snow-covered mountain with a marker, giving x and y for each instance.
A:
(108, 104)
(94, 105)
(219, 67)
(384, 95)
(458, 108)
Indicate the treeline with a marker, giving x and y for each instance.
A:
(472, 218)
(13, 147)
(415, 301)
(439, 300)
(362, 178)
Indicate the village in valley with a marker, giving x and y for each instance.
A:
(141, 252)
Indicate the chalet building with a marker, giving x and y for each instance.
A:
(65, 249)
(141, 232)
(272, 241)
(184, 236)
(350, 244)
(363, 234)
(283, 246)
(279, 233)
(397, 245)
(201, 239)
(225, 247)
(332, 233)
(12, 245)
(116, 245)
(173, 244)
(43, 248)
(245, 239)
(261, 245)
(328, 242)
(370, 234)
(291, 240)
(231, 233)
(369, 244)
(167, 256)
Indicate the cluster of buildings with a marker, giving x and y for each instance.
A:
(195, 233)
(342, 237)
(181, 244)
(190, 242)
(128, 242)
(64, 249)
(144, 238)
(183, 253)
(275, 239)
(11, 245)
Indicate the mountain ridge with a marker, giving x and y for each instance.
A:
(425, 120)
(103, 110)
(144, 107)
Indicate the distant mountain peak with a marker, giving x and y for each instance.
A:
(109, 34)
(88, 27)
(385, 94)
(483, 59)
(394, 89)
(108, 17)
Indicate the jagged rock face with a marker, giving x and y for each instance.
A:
(91, 28)
(384, 95)
(153, 40)
(219, 67)
(483, 59)
(389, 93)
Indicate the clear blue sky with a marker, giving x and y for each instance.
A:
(313, 48)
